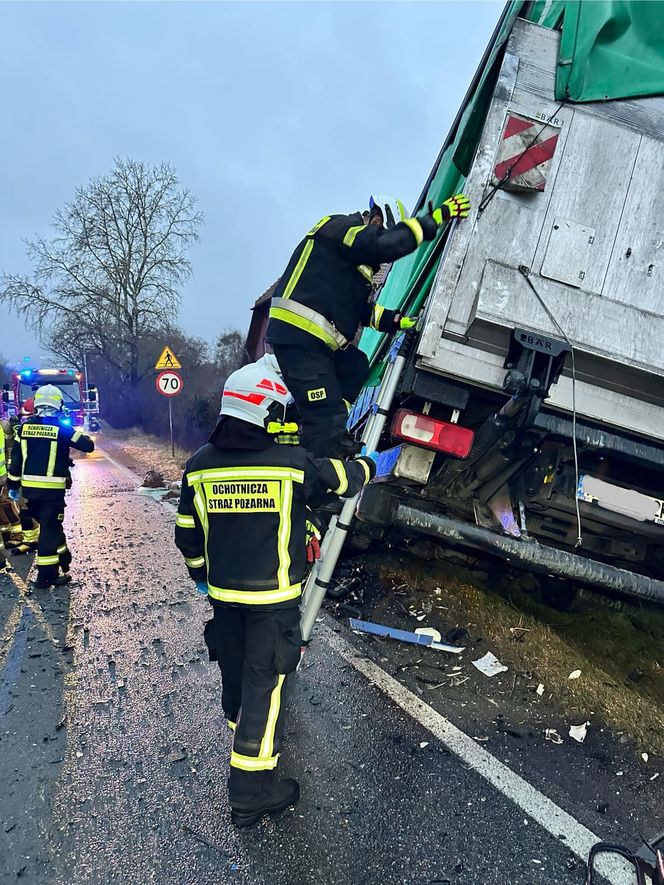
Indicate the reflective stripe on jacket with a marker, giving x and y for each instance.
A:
(241, 521)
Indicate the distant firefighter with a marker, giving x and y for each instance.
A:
(40, 468)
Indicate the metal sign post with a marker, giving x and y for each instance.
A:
(169, 384)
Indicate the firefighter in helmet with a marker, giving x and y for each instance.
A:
(241, 527)
(324, 295)
(40, 468)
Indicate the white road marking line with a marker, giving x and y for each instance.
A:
(555, 820)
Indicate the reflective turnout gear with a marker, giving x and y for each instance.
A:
(40, 467)
(3, 457)
(456, 207)
(52, 550)
(323, 382)
(241, 518)
(323, 295)
(40, 457)
(255, 650)
(241, 526)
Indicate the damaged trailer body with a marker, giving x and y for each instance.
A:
(531, 407)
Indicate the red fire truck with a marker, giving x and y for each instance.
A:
(81, 405)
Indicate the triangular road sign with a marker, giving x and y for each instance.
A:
(167, 360)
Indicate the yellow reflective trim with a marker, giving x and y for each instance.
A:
(340, 470)
(367, 472)
(76, 435)
(250, 474)
(255, 597)
(267, 744)
(299, 267)
(195, 562)
(43, 482)
(51, 458)
(278, 313)
(13, 478)
(185, 522)
(48, 560)
(351, 233)
(24, 451)
(416, 229)
(376, 314)
(318, 226)
(30, 535)
(62, 549)
(201, 510)
(366, 271)
(253, 763)
(283, 538)
(231, 725)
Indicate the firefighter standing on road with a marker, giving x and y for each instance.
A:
(323, 297)
(40, 467)
(241, 526)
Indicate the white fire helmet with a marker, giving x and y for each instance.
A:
(48, 400)
(256, 393)
(391, 209)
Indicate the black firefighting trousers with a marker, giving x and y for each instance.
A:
(52, 551)
(255, 650)
(324, 383)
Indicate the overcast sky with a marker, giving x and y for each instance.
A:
(273, 114)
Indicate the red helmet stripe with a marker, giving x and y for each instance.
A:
(254, 398)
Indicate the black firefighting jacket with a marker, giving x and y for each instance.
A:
(241, 522)
(330, 273)
(40, 457)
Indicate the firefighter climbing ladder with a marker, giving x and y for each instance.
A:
(321, 575)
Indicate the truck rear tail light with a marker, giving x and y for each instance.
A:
(432, 433)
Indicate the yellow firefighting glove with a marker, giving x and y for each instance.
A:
(407, 323)
(456, 207)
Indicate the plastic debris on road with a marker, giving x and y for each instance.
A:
(552, 735)
(578, 732)
(575, 674)
(429, 631)
(489, 665)
(402, 635)
(540, 689)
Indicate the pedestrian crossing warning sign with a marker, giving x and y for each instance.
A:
(167, 360)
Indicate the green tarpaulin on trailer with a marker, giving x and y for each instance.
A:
(609, 49)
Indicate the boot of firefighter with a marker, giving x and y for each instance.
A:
(253, 794)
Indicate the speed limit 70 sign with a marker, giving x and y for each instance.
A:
(169, 383)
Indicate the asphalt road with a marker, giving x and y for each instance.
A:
(114, 750)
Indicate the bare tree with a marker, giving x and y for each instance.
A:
(229, 351)
(111, 275)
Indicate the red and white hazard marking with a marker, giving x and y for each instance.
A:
(526, 149)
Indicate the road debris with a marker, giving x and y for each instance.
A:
(402, 635)
(575, 674)
(578, 732)
(540, 689)
(489, 665)
(551, 734)
(429, 631)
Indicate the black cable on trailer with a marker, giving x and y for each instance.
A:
(525, 271)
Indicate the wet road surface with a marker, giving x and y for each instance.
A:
(114, 750)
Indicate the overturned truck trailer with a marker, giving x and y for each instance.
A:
(529, 420)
